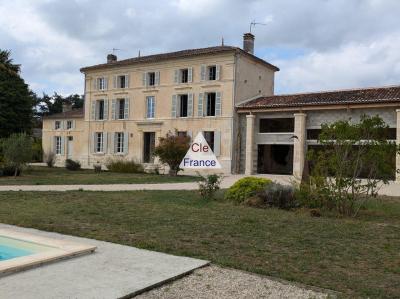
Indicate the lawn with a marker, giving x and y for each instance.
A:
(357, 257)
(60, 176)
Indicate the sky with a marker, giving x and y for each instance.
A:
(317, 44)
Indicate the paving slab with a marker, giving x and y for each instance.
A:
(112, 271)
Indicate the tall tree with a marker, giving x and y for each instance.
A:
(47, 105)
(16, 100)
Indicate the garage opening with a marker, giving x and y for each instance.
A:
(275, 159)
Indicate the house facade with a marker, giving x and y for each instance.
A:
(225, 92)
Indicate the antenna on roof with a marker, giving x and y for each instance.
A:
(222, 41)
(254, 23)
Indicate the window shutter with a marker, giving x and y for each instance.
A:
(95, 84)
(93, 143)
(217, 72)
(176, 76)
(190, 75)
(144, 79)
(126, 108)
(218, 104)
(105, 83)
(53, 144)
(126, 143)
(190, 105)
(203, 72)
(112, 142)
(174, 105)
(113, 109)
(93, 110)
(62, 145)
(200, 105)
(217, 143)
(105, 142)
(62, 125)
(157, 78)
(127, 79)
(73, 124)
(105, 109)
(115, 82)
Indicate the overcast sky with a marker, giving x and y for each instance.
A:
(317, 44)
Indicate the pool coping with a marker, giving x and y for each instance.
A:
(62, 250)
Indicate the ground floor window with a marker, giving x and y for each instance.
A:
(275, 158)
(209, 137)
(99, 144)
(58, 144)
(119, 142)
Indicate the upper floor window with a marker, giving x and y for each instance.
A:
(69, 124)
(101, 83)
(212, 72)
(151, 77)
(277, 125)
(121, 109)
(150, 107)
(210, 104)
(183, 105)
(184, 75)
(100, 109)
(57, 125)
(121, 81)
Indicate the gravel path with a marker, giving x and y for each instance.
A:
(216, 282)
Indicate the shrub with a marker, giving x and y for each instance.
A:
(72, 165)
(278, 196)
(171, 150)
(10, 170)
(17, 151)
(209, 185)
(245, 188)
(50, 159)
(125, 166)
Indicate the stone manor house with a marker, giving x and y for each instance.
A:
(225, 92)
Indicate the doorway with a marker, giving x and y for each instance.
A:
(149, 143)
(275, 159)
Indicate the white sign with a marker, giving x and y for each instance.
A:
(200, 155)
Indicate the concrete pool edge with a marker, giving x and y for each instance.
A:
(60, 250)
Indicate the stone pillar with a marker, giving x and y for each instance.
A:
(299, 148)
(249, 143)
(398, 143)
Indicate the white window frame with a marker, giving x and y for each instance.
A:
(58, 145)
(120, 143)
(70, 124)
(150, 107)
(208, 74)
(101, 83)
(99, 149)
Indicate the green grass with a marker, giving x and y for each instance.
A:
(357, 257)
(61, 176)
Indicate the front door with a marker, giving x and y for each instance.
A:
(70, 147)
(149, 143)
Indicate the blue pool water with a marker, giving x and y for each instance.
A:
(7, 252)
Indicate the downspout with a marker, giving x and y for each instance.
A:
(233, 153)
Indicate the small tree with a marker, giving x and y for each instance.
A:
(355, 158)
(17, 151)
(171, 150)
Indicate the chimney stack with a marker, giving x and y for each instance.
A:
(66, 107)
(111, 58)
(248, 43)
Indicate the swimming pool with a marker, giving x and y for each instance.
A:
(20, 251)
(11, 248)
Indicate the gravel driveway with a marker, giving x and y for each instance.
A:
(216, 282)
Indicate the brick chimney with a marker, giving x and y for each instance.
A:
(111, 58)
(248, 43)
(66, 107)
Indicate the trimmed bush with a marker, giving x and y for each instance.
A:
(72, 165)
(245, 188)
(278, 196)
(124, 166)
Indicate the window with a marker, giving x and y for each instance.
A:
(119, 142)
(121, 109)
(313, 134)
(209, 137)
(122, 81)
(182, 133)
(184, 75)
(58, 143)
(277, 125)
(151, 78)
(183, 105)
(57, 125)
(69, 124)
(101, 84)
(150, 105)
(210, 104)
(99, 142)
(100, 110)
(212, 72)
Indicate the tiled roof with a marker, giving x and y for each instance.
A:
(74, 113)
(354, 96)
(178, 54)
